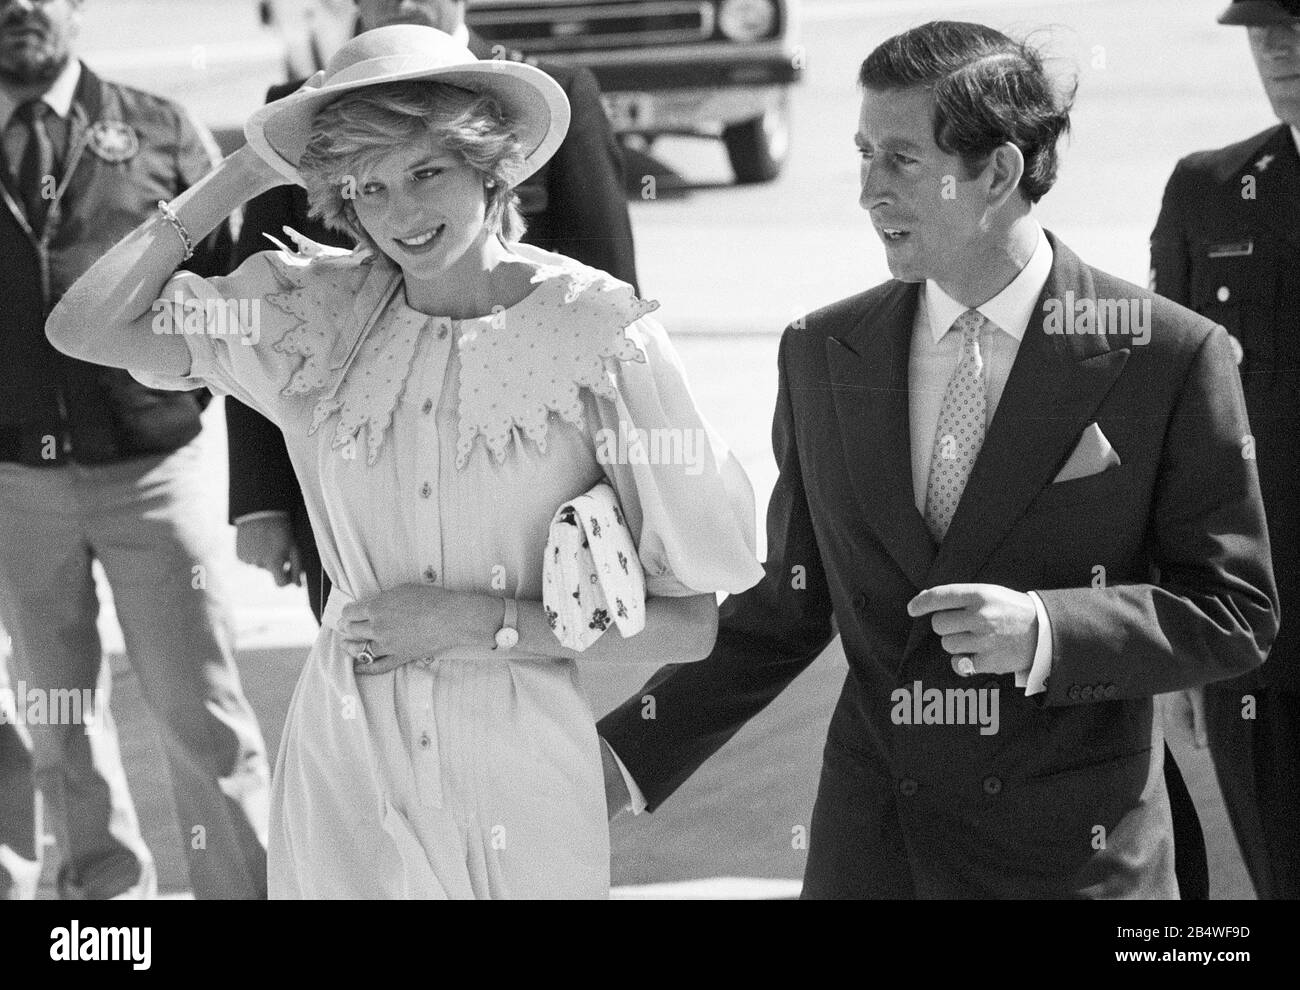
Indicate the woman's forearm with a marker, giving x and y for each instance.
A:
(677, 630)
(100, 316)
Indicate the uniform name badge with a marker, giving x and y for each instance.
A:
(113, 141)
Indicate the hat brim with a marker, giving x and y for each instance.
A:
(533, 102)
(1255, 13)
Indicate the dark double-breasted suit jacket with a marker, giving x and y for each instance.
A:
(1067, 798)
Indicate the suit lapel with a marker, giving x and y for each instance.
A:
(1052, 393)
(869, 374)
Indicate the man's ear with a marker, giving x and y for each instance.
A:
(1005, 166)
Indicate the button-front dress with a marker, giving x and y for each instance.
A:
(437, 451)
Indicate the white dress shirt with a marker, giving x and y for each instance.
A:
(935, 355)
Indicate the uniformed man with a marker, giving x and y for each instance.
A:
(1227, 244)
(94, 466)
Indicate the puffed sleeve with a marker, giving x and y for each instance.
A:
(252, 333)
(687, 500)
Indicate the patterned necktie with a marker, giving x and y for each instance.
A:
(960, 433)
(36, 167)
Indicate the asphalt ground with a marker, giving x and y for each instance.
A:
(1157, 79)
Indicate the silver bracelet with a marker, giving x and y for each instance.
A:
(170, 216)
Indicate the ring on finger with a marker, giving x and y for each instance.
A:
(964, 666)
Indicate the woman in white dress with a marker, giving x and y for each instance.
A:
(442, 390)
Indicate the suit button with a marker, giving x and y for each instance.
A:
(992, 785)
(860, 601)
(1110, 691)
(907, 787)
(1224, 294)
(1073, 693)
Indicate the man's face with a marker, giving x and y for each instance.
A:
(36, 39)
(925, 209)
(445, 15)
(1277, 56)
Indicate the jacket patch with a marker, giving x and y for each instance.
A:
(113, 141)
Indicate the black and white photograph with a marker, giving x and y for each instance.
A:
(651, 450)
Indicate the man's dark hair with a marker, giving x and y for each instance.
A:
(988, 89)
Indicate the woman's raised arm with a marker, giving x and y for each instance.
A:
(107, 316)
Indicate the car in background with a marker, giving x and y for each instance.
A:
(712, 68)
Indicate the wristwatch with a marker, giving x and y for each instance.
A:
(507, 637)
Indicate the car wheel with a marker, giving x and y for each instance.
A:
(758, 148)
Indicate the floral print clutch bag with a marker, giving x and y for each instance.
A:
(592, 577)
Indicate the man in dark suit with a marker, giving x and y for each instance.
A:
(1226, 242)
(981, 463)
(576, 205)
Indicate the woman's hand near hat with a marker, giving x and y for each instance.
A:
(267, 164)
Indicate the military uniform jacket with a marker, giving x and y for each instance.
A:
(1227, 245)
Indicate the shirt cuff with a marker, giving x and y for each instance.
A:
(638, 804)
(1034, 680)
(263, 514)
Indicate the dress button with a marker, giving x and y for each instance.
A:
(1224, 293)
(430, 574)
(426, 490)
(992, 785)
(425, 741)
(860, 601)
(907, 787)
(427, 407)
(442, 331)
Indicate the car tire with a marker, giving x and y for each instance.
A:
(758, 148)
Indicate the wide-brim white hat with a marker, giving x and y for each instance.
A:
(534, 103)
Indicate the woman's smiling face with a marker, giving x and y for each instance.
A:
(423, 207)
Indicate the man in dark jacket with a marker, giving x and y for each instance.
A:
(96, 467)
(1227, 244)
(575, 205)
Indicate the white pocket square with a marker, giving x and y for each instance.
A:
(1093, 454)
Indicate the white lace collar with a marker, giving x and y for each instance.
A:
(518, 365)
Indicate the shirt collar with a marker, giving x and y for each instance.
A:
(58, 97)
(1010, 310)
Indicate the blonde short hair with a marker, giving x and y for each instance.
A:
(361, 127)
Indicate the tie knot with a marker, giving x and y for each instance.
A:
(969, 324)
(31, 111)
